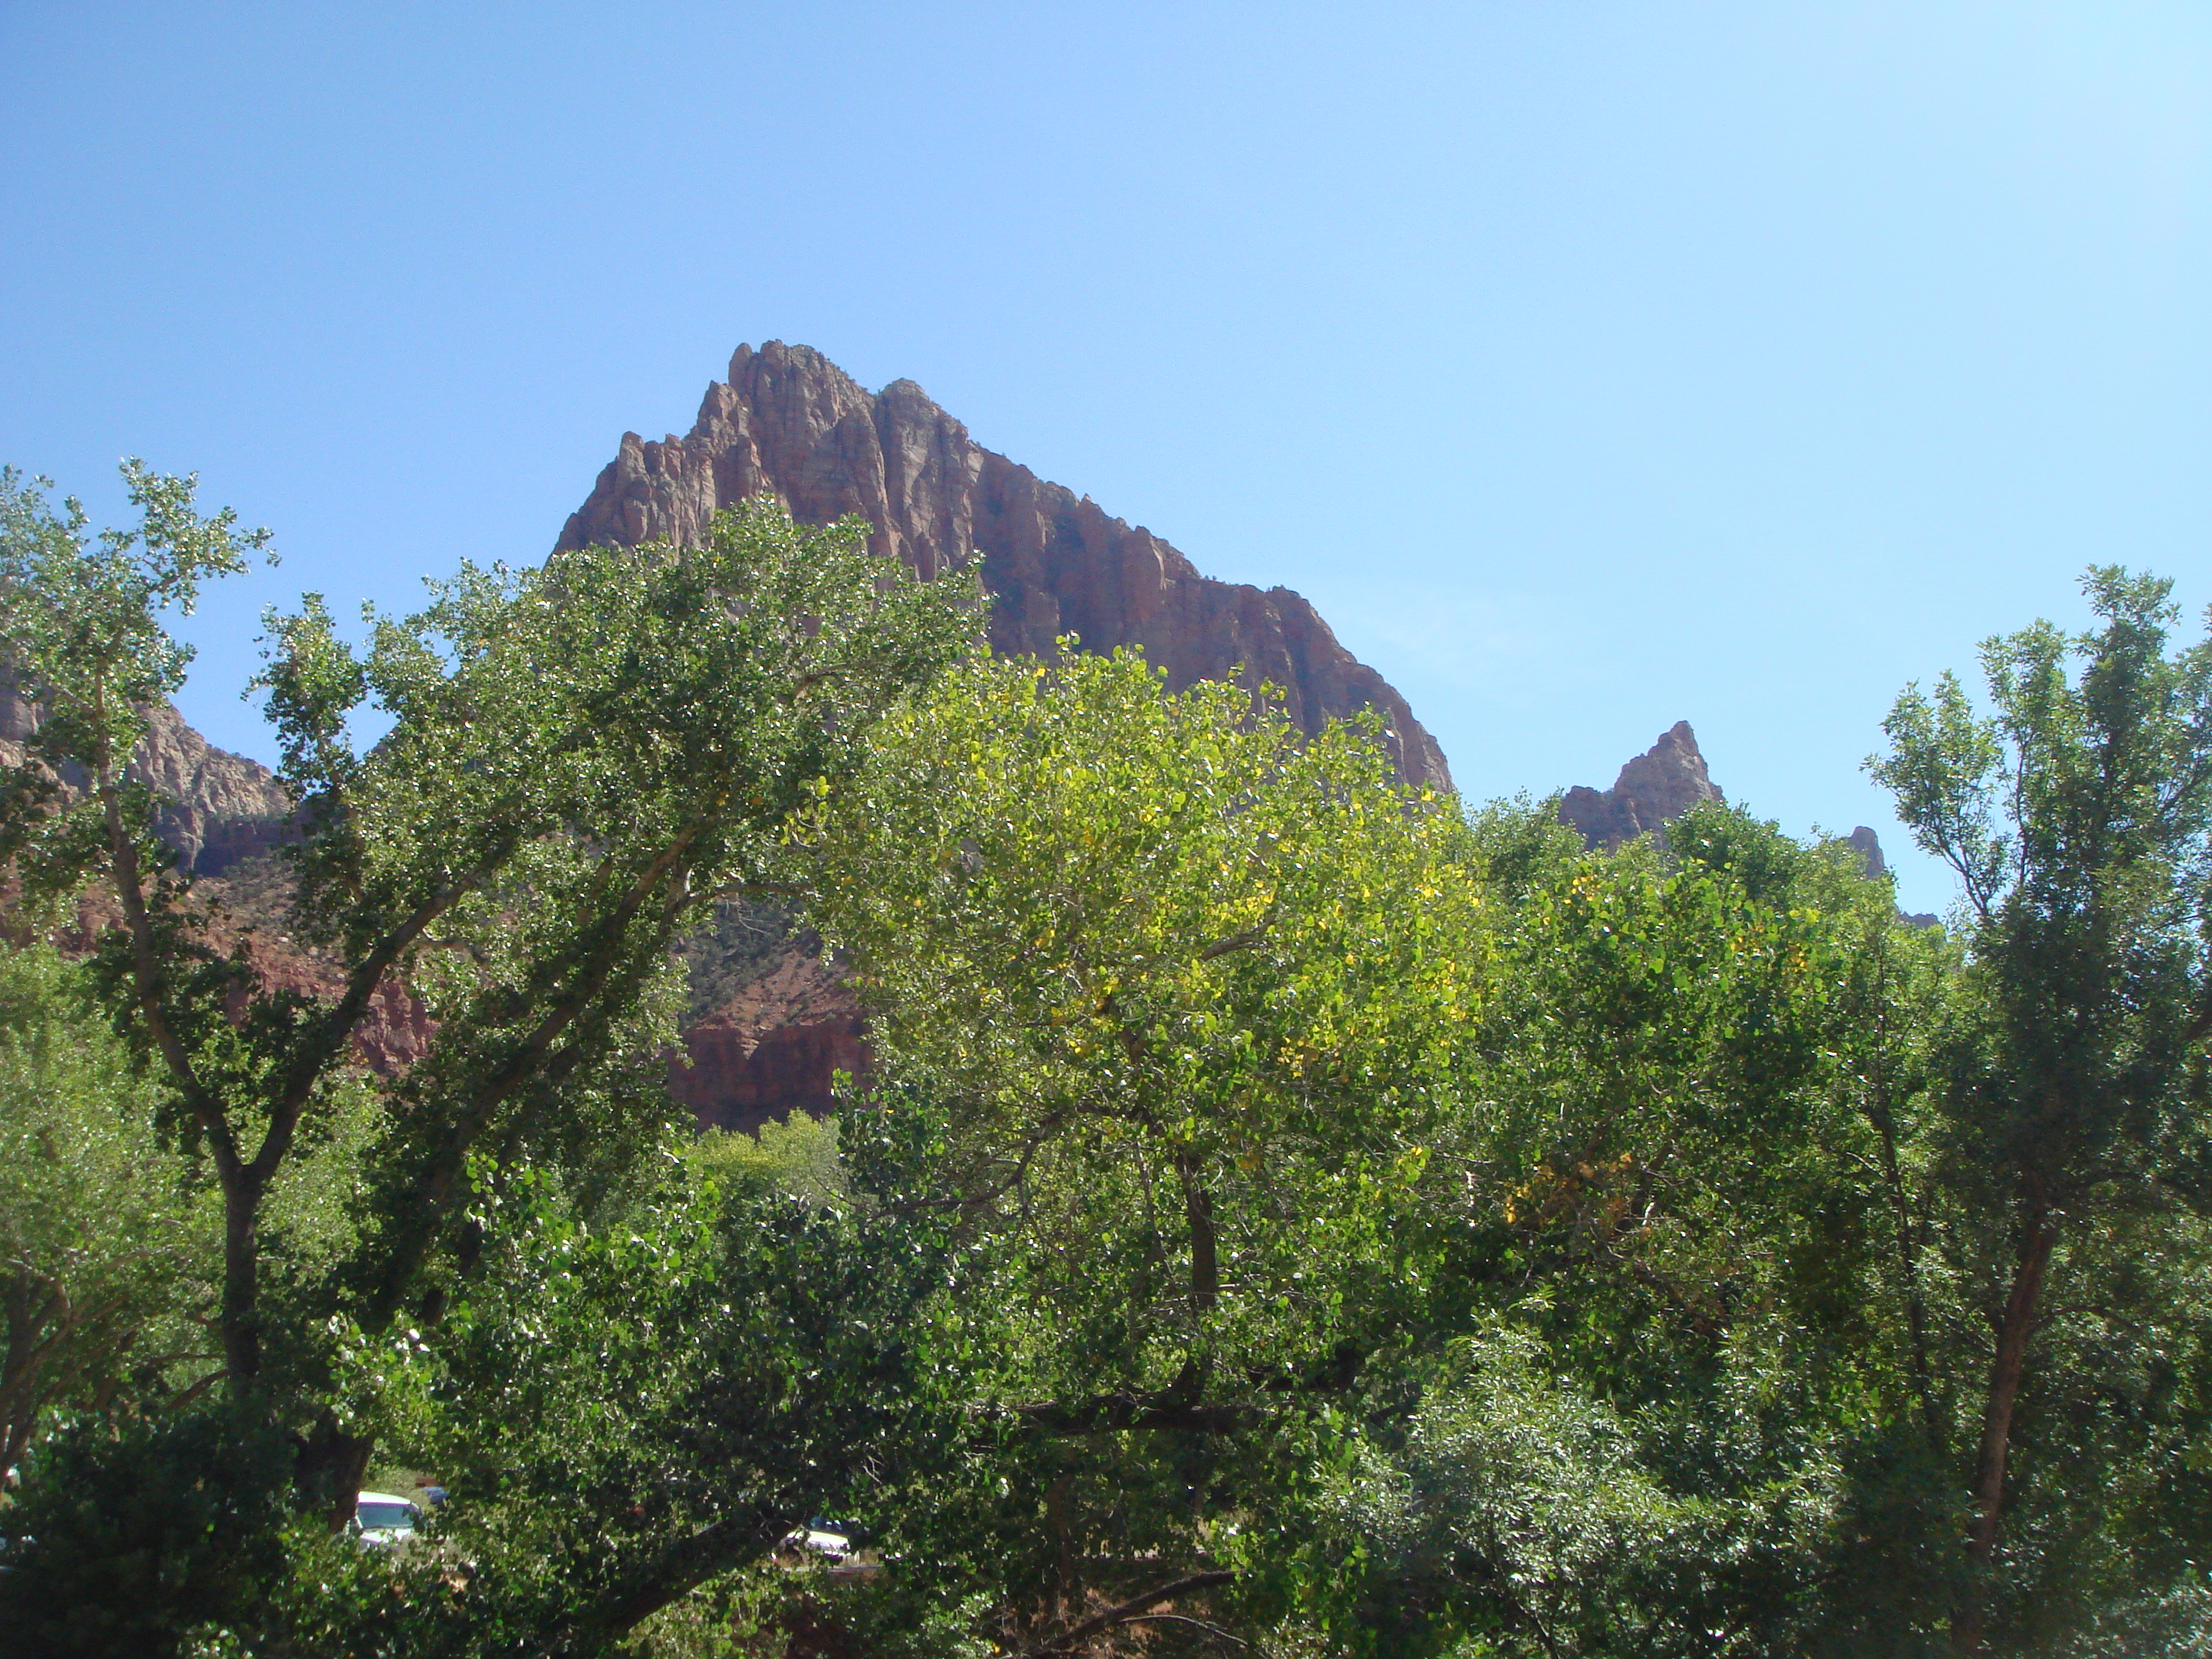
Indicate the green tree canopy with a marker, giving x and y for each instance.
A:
(579, 763)
(2078, 815)
(104, 1244)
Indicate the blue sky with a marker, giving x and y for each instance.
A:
(1591, 366)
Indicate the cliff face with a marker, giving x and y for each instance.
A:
(773, 1047)
(789, 421)
(1657, 787)
(216, 807)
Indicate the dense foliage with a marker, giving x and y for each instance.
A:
(1287, 1213)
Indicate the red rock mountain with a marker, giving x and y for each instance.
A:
(1655, 788)
(789, 421)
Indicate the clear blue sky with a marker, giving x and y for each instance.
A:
(1591, 366)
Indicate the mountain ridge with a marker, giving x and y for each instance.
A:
(789, 421)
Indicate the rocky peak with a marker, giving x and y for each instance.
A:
(1868, 845)
(789, 421)
(1655, 788)
(1665, 782)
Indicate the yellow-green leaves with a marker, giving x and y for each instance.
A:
(1167, 963)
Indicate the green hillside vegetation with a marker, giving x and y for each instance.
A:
(1290, 1213)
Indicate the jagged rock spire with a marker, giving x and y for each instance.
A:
(1654, 789)
(791, 422)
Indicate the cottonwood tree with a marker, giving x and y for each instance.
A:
(1180, 993)
(103, 1243)
(578, 763)
(2069, 1155)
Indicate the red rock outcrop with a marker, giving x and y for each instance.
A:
(790, 421)
(1654, 789)
(773, 1048)
(395, 1030)
(734, 1079)
(218, 810)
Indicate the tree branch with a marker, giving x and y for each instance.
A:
(1126, 1612)
(146, 982)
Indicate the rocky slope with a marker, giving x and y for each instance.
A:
(218, 807)
(789, 421)
(223, 814)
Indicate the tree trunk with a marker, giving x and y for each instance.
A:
(1205, 1257)
(2007, 1367)
(242, 1278)
(330, 1468)
(1908, 1240)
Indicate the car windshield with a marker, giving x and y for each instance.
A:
(384, 1517)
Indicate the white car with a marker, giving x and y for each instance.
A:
(834, 1549)
(384, 1522)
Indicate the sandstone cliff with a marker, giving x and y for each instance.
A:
(789, 421)
(1657, 787)
(216, 807)
(772, 1024)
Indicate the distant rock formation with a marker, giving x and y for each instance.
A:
(1654, 789)
(1868, 846)
(221, 813)
(789, 421)
(217, 808)
(772, 1048)
(1665, 782)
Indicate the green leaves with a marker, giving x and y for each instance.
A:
(105, 1246)
(82, 613)
(2059, 1158)
(578, 765)
(1164, 962)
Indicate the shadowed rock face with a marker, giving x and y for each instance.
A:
(215, 807)
(1655, 788)
(790, 421)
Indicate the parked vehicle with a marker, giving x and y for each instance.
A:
(834, 1549)
(382, 1520)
